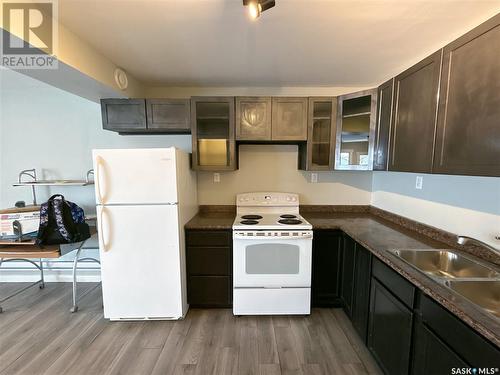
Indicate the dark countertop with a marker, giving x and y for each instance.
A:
(211, 221)
(379, 235)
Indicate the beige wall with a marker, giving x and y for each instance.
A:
(80, 55)
(274, 168)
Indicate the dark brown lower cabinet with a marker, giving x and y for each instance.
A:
(472, 348)
(209, 291)
(361, 291)
(209, 268)
(326, 258)
(389, 331)
(348, 261)
(431, 355)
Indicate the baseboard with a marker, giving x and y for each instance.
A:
(53, 271)
(59, 275)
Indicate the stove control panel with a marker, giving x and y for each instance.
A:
(267, 199)
(274, 234)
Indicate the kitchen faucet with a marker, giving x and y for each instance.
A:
(462, 240)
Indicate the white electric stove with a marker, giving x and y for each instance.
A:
(272, 255)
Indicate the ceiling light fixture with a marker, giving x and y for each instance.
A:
(256, 7)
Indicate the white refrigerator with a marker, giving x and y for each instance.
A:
(144, 197)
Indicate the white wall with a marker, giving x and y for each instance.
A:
(53, 131)
(458, 204)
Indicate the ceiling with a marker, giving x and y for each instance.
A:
(296, 43)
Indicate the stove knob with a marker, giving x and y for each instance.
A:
(294, 199)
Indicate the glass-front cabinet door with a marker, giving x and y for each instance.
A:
(212, 128)
(321, 134)
(356, 120)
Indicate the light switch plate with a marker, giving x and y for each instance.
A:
(419, 182)
(314, 178)
(216, 177)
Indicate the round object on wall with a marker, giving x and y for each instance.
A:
(121, 79)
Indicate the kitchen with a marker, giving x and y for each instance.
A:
(363, 292)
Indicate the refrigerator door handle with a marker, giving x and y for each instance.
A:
(101, 231)
(98, 162)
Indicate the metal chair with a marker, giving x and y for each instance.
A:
(26, 252)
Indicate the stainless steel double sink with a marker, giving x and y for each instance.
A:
(476, 281)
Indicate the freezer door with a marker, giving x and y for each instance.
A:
(140, 262)
(135, 176)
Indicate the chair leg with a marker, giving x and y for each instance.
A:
(42, 280)
(74, 308)
(40, 283)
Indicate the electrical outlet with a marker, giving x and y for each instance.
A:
(216, 177)
(314, 178)
(419, 182)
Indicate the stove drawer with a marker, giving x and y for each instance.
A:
(281, 301)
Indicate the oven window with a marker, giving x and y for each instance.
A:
(272, 259)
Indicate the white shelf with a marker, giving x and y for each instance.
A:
(34, 182)
(357, 114)
(55, 183)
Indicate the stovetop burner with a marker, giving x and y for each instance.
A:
(288, 216)
(251, 217)
(249, 222)
(290, 221)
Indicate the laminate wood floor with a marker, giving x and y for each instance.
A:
(38, 335)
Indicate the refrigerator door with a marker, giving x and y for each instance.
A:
(135, 176)
(140, 262)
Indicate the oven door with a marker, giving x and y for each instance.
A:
(272, 262)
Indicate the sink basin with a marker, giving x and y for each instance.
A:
(485, 294)
(445, 264)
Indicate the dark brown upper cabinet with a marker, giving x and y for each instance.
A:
(212, 129)
(384, 120)
(355, 130)
(468, 129)
(414, 116)
(318, 153)
(146, 116)
(289, 119)
(124, 115)
(253, 118)
(168, 115)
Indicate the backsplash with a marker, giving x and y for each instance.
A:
(274, 168)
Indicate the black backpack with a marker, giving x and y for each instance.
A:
(61, 222)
